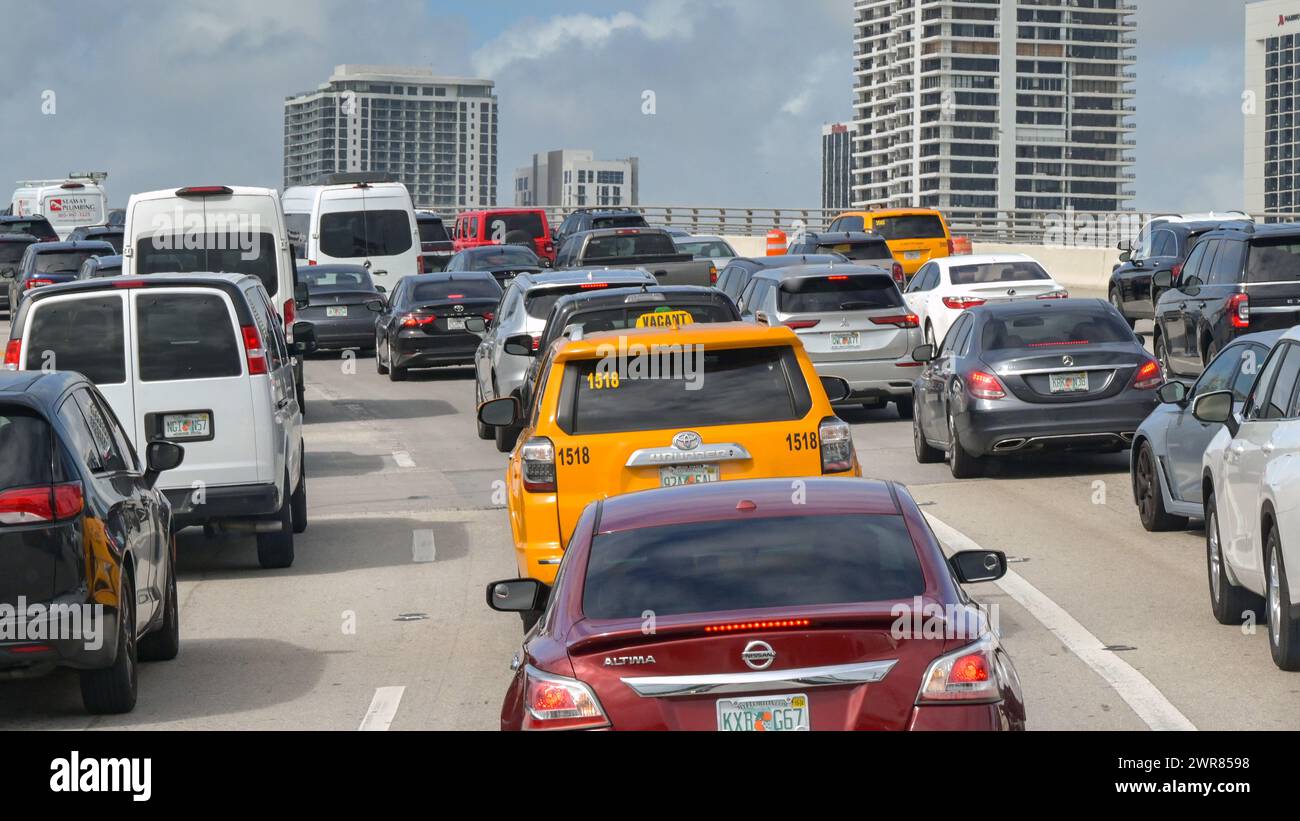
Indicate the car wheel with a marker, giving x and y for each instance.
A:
(380, 367)
(904, 406)
(1228, 602)
(1151, 502)
(960, 461)
(1162, 356)
(485, 432)
(164, 644)
(1210, 353)
(298, 503)
(925, 453)
(1283, 631)
(113, 689)
(1114, 301)
(929, 337)
(275, 550)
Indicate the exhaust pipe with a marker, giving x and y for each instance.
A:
(247, 526)
(1008, 445)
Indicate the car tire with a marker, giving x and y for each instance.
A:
(1117, 305)
(380, 367)
(164, 644)
(1211, 352)
(904, 407)
(926, 454)
(1150, 500)
(1162, 356)
(929, 337)
(1283, 631)
(961, 462)
(298, 503)
(275, 550)
(1228, 602)
(113, 690)
(395, 374)
(485, 432)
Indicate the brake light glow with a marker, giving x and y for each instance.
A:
(713, 275)
(593, 286)
(838, 278)
(413, 321)
(1148, 376)
(290, 313)
(36, 283)
(836, 445)
(128, 283)
(538, 457)
(966, 675)
(1064, 344)
(557, 703)
(741, 627)
(899, 276)
(37, 505)
(1176, 271)
(898, 321)
(13, 354)
(203, 191)
(802, 324)
(253, 351)
(961, 303)
(1239, 310)
(985, 386)
(952, 247)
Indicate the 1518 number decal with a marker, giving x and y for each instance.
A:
(799, 442)
(569, 457)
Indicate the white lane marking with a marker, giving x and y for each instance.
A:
(403, 459)
(1156, 711)
(423, 548)
(383, 707)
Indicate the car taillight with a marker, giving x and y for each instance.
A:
(898, 321)
(1176, 271)
(489, 316)
(36, 505)
(554, 702)
(952, 247)
(311, 262)
(13, 354)
(1149, 376)
(1059, 293)
(419, 265)
(961, 303)
(801, 324)
(537, 342)
(966, 675)
(538, 457)
(253, 351)
(36, 283)
(1239, 310)
(290, 314)
(898, 273)
(713, 275)
(413, 321)
(837, 445)
(985, 386)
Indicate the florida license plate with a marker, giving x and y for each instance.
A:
(336, 311)
(679, 475)
(763, 714)
(911, 255)
(841, 342)
(1069, 382)
(187, 426)
(456, 323)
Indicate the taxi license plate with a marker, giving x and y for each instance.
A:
(840, 342)
(187, 426)
(911, 255)
(764, 714)
(456, 323)
(1069, 382)
(336, 310)
(680, 475)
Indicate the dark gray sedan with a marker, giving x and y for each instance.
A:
(1021, 377)
(341, 307)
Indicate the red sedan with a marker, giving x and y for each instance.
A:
(767, 605)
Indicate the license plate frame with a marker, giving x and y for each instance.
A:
(684, 475)
(456, 323)
(760, 714)
(911, 255)
(846, 341)
(186, 426)
(1066, 383)
(336, 311)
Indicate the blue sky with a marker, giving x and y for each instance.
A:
(164, 94)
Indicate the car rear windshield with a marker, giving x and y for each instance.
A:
(113, 238)
(455, 290)
(11, 252)
(913, 226)
(655, 315)
(352, 234)
(1274, 260)
(629, 245)
(838, 292)
(994, 272)
(61, 262)
(1054, 328)
(872, 249)
(629, 221)
(432, 230)
(325, 281)
(27, 447)
(680, 388)
(83, 335)
(39, 228)
(539, 301)
(748, 564)
(499, 227)
(186, 336)
(217, 253)
(709, 249)
(506, 256)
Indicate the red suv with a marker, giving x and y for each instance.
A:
(505, 226)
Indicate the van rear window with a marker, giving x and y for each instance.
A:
(353, 234)
(217, 253)
(681, 389)
(27, 448)
(186, 336)
(82, 335)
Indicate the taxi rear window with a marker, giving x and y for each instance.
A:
(912, 226)
(662, 388)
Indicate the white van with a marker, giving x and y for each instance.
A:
(68, 204)
(199, 360)
(360, 219)
(218, 229)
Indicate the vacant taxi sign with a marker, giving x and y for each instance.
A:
(665, 319)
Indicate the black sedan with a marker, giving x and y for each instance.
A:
(505, 262)
(434, 320)
(1019, 377)
(83, 530)
(341, 305)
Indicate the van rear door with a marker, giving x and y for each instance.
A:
(73, 206)
(369, 225)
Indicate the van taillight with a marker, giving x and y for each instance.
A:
(253, 351)
(290, 316)
(419, 265)
(13, 354)
(36, 505)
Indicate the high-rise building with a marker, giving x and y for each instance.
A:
(576, 179)
(837, 150)
(1272, 175)
(437, 134)
(997, 104)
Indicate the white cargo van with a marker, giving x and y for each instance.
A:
(357, 218)
(74, 202)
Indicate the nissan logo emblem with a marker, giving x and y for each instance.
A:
(687, 440)
(759, 655)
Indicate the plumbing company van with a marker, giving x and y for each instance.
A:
(67, 204)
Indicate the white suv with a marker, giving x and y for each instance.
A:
(1251, 480)
(196, 359)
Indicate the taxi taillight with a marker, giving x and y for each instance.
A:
(837, 445)
(538, 457)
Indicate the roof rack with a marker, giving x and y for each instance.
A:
(358, 177)
(606, 209)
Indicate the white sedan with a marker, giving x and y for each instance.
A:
(945, 287)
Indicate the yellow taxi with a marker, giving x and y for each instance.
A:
(684, 404)
(914, 235)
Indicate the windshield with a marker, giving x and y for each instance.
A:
(1054, 329)
(860, 292)
(454, 290)
(912, 226)
(995, 272)
(501, 227)
(866, 249)
(432, 230)
(326, 281)
(62, 262)
(630, 245)
(217, 253)
(708, 249)
(352, 234)
(656, 315)
(506, 256)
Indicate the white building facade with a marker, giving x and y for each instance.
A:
(1272, 175)
(576, 179)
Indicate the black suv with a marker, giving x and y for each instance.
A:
(1238, 279)
(12, 248)
(594, 219)
(36, 225)
(1161, 244)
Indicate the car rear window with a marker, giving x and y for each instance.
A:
(217, 253)
(709, 249)
(539, 301)
(856, 249)
(26, 444)
(83, 335)
(186, 336)
(113, 238)
(721, 387)
(629, 245)
(11, 252)
(994, 272)
(838, 292)
(61, 262)
(325, 281)
(432, 230)
(630, 221)
(503, 257)
(349, 234)
(1054, 328)
(500, 226)
(39, 228)
(1274, 260)
(456, 289)
(912, 226)
(794, 561)
(656, 315)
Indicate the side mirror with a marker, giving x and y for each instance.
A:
(381, 289)
(1162, 279)
(376, 306)
(519, 345)
(517, 596)
(1125, 245)
(1172, 393)
(499, 413)
(476, 325)
(923, 354)
(837, 388)
(975, 566)
(160, 457)
(301, 296)
(1217, 409)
